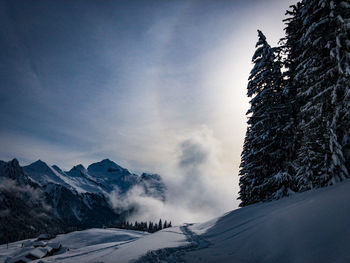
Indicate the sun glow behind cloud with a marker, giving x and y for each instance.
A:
(133, 83)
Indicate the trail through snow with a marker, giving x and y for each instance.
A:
(173, 255)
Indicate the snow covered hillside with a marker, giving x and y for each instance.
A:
(100, 245)
(308, 227)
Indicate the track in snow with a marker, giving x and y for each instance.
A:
(174, 254)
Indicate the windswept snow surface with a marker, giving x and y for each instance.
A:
(106, 245)
(80, 242)
(307, 227)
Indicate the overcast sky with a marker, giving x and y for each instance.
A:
(157, 86)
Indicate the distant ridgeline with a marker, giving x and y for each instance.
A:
(298, 135)
(38, 198)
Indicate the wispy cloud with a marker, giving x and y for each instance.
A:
(136, 83)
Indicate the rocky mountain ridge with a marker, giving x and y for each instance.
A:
(45, 199)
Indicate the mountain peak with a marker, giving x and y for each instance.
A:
(38, 164)
(79, 167)
(107, 161)
(77, 171)
(14, 162)
(106, 166)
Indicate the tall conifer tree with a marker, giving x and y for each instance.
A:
(263, 173)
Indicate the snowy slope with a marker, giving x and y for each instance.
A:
(307, 227)
(80, 242)
(43, 174)
(80, 180)
(105, 245)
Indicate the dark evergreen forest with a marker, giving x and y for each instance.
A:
(298, 135)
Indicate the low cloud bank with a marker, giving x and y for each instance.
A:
(32, 199)
(198, 187)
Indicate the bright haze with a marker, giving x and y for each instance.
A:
(156, 86)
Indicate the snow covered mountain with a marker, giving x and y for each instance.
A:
(101, 177)
(109, 174)
(307, 227)
(76, 199)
